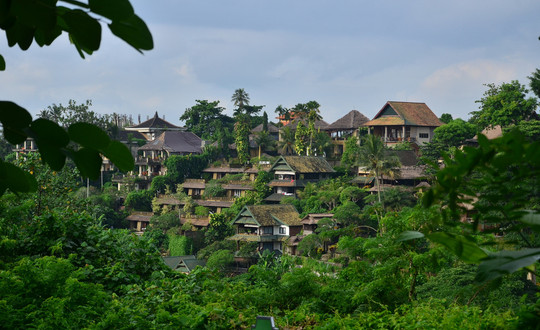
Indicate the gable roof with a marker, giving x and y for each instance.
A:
(184, 264)
(352, 120)
(175, 142)
(269, 215)
(303, 164)
(155, 122)
(405, 113)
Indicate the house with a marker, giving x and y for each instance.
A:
(154, 126)
(345, 127)
(310, 221)
(138, 221)
(268, 225)
(291, 173)
(273, 130)
(404, 121)
(150, 162)
(235, 181)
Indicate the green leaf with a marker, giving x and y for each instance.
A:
(506, 262)
(2, 63)
(47, 132)
(15, 179)
(88, 161)
(462, 247)
(84, 30)
(112, 9)
(88, 135)
(53, 155)
(20, 34)
(409, 235)
(120, 155)
(531, 218)
(14, 115)
(39, 14)
(134, 31)
(14, 119)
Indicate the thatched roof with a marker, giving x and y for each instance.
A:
(269, 215)
(405, 113)
(350, 121)
(319, 124)
(313, 218)
(271, 128)
(175, 142)
(303, 164)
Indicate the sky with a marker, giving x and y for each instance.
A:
(344, 54)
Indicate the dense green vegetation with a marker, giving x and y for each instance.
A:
(393, 261)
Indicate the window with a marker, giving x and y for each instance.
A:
(268, 230)
(423, 135)
(237, 193)
(282, 230)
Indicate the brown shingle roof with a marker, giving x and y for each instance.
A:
(352, 120)
(175, 142)
(270, 215)
(411, 113)
(308, 164)
(155, 122)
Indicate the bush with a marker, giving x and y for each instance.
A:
(180, 245)
(139, 200)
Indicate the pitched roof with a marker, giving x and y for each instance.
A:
(155, 122)
(271, 128)
(406, 157)
(124, 135)
(313, 218)
(319, 124)
(269, 215)
(352, 120)
(304, 164)
(405, 113)
(175, 142)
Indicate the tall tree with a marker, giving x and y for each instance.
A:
(504, 105)
(286, 141)
(76, 113)
(534, 82)
(446, 118)
(263, 141)
(240, 98)
(349, 158)
(241, 137)
(205, 119)
(265, 122)
(374, 158)
(301, 137)
(283, 114)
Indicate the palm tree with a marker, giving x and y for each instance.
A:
(376, 160)
(240, 98)
(263, 140)
(286, 141)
